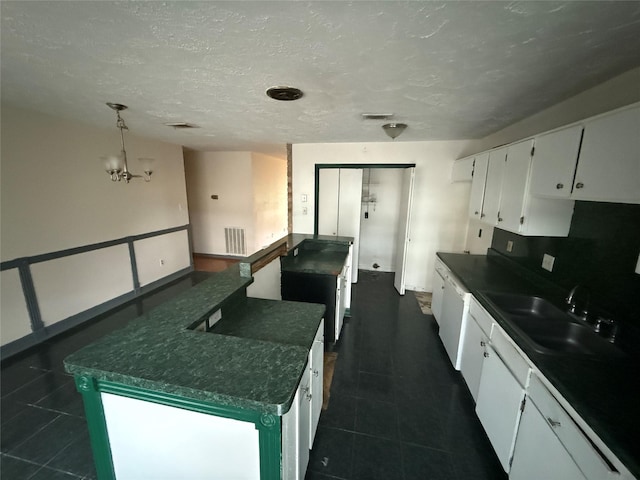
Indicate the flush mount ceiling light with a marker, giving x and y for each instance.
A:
(377, 116)
(284, 94)
(181, 125)
(394, 129)
(116, 165)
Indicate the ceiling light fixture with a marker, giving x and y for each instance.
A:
(116, 165)
(284, 94)
(377, 116)
(394, 129)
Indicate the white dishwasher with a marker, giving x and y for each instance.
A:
(453, 321)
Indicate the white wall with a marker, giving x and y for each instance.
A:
(379, 232)
(270, 199)
(228, 175)
(439, 218)
(617, 92)
(55, 195)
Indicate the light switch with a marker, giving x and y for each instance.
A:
(547, 262)
(304, 198)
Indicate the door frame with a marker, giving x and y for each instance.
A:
(319, 166)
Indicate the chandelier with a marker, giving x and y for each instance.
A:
(116, 165)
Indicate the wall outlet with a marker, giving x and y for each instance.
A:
(509, 245)
(215, 317)
(638, 265)
(304, 210)
(304, 198)
(295, 252)
(547, 262)
(161, 261)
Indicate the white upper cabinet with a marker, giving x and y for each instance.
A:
(554, 162)
(609, 163)
(493, 186)
(514, 185)
(462, 170)
(480, 164)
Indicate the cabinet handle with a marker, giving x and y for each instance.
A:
(476, 212)
(559, 186)
(315, 373)
(499, 219)
(483, 343)
(553, 423)
(579, 185)
(482, 215)
(486, 354)
(309, 396)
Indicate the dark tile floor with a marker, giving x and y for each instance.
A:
(398, 410)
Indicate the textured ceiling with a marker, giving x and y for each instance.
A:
(450, 70)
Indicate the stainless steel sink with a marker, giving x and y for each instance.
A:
(548, 329)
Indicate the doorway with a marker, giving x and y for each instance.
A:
(349, 203)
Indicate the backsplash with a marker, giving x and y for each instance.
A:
(600, 253)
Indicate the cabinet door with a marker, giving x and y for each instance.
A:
(478, 181)
(316, 366)
(493, 186)
(514, 186)
(472, 355)
(437, 295)
(554, 163)
(450, 325)
(498, 405)
(462, 170)
(609, 164)
(539, 453)
(304, 423)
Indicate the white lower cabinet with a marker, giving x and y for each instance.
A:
(472, 355)
(539, 453)
(500, 396)
(300, 423)
(439, 277)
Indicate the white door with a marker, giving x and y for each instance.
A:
(476, 198)
(328, 194)
(493, 186)
(609, 163)
(539, 453)
(349, 208)
(404, 220)
(472, 355)
(498, 405)
(514, 185)
(554, 162)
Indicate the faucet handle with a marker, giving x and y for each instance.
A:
(611, 323)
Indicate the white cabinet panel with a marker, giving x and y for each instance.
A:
(472, 355)
(493, 186)
(498, 405)
(609, 164)
(316, 367)
(554, 162)
(455, 306)
(514, 186)
(462, 170)
(539, 453)
(438, 294)
(480, 165)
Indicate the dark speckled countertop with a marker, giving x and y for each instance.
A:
(252, 367)
(603, 392)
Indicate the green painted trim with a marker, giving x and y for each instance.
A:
(269, 426)
(97, 427)
(319, 166)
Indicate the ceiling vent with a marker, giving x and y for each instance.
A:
(377, 116)
(181, 125)
(284, 94)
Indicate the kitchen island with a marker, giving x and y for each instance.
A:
(177, 395)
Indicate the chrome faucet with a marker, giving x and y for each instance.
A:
(572, 303)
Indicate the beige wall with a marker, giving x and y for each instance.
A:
(252, 194)
(55, 195)
(228, 175)
(270, 199)
(439, 215)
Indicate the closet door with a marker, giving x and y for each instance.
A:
(349, 208)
